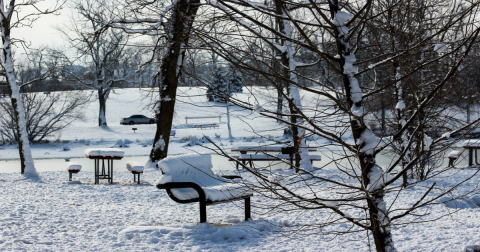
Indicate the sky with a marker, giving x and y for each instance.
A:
(44, 32)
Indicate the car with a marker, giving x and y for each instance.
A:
(137, 119)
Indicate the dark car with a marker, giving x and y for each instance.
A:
(137, 119)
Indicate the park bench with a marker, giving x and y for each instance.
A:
(202, 117)
(73, 167)
(204, 126)
(135, 168)
(173, 132)
(189, 178)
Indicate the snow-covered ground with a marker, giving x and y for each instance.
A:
(54, 215)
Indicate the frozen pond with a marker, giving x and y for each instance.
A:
(219, 162)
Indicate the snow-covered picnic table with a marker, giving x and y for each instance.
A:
(103, 154)
(284, 152)
(189, 178)
(472, 145)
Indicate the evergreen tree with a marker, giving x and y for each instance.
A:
(235, 80)
(218, 89)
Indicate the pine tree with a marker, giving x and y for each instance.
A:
(235, 80)
(217, 91)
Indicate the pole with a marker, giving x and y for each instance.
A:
(228, 112)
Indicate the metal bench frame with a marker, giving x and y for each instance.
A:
(202, 198)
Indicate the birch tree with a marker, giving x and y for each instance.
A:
(15, 14)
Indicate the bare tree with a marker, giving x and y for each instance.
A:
(365, 184)
(11, 16)
(101, 46)
(44, 114)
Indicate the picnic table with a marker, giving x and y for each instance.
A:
(283, 153)
(471, 146)
(108, 154)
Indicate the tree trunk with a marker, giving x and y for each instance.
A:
(102, 100)
(289, 69)
(26, 159)
(179, 26)
(379, 222)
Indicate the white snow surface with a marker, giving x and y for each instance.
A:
(471, 143)
(135, 166)
(197, 168)
(56, 216)
(454, 154)
(72, 166)
(104, 152)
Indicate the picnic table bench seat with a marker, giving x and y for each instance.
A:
(136, 168)
(73, 167)
(272, 148)
(189, 178)
(249, 158)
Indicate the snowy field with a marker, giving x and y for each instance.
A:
(122, 103)
(54, 215)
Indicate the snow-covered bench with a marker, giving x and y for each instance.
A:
(135, 168)
(73, 167)
(189, 178)
(204, 126)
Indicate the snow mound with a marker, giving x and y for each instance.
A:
(197, 168)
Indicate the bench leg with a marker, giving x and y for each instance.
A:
(134, 178)
(203, 212)
(138, 179)
(248, 213)
(69, 176)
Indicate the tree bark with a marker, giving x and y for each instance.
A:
(26, 159)
(178, 28)
(102, 100)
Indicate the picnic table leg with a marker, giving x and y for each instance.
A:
(248, 213)
(97, 169)
(69, 176)
(139, 179)
(476, 157)
(111, 173)
(470, 157)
